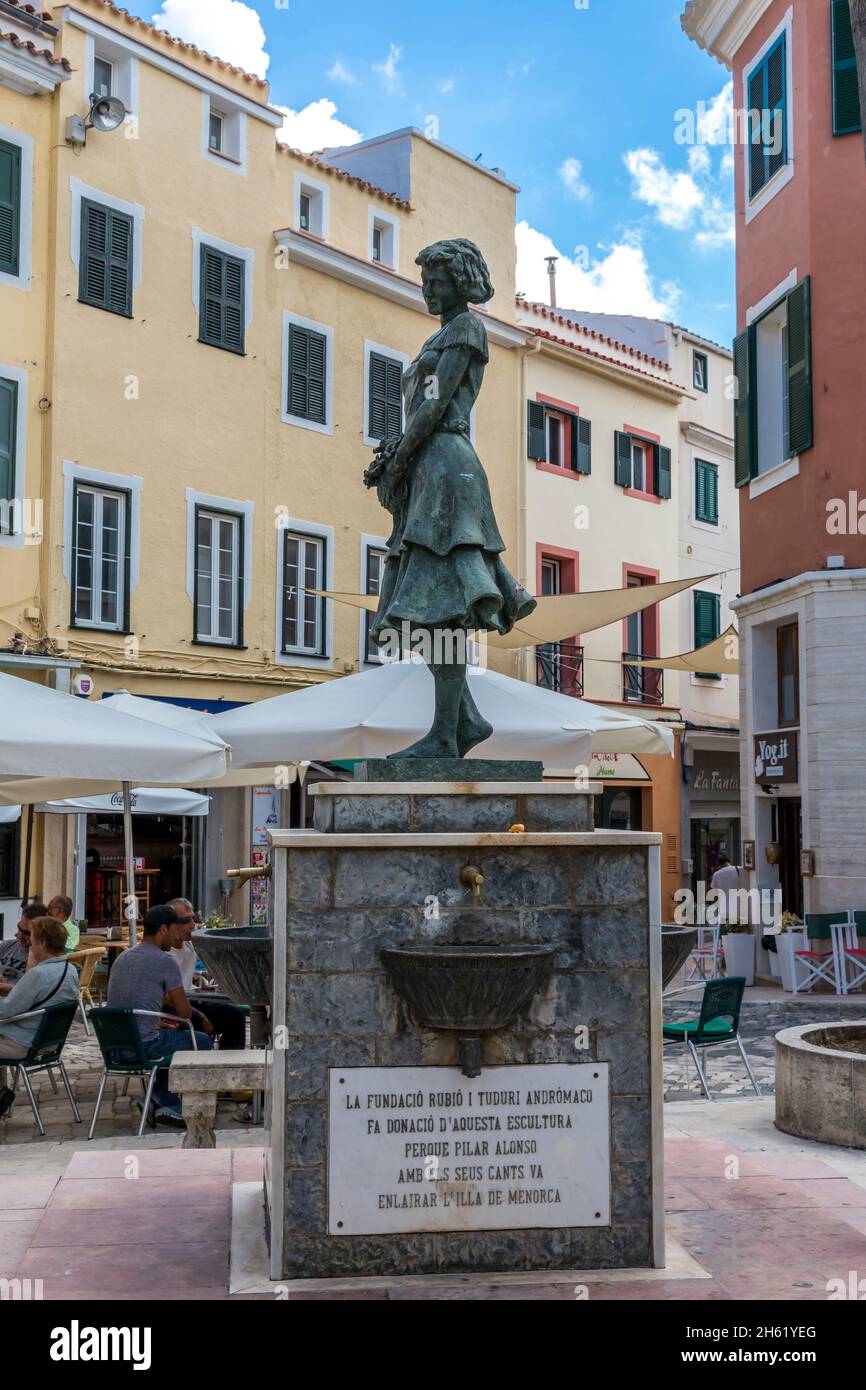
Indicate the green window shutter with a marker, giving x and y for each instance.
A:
(800, 367)
(307, 369)
(106, 257)
(622, 475)
(846, 93)
(663, 471)
(706, 492)
(708, 613)
(536, 443)
(385, 404)
(222, 300)
(745, 422)
(10, 207)
(8, 426)
(583, 431)
(768, 117)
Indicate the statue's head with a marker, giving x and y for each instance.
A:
(453, 272)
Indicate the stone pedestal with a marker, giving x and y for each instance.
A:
(578, 1075)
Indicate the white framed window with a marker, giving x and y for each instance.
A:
(100, 559)
(219, 544)
(555, 427)
(311, 206)
(16, 208)
(128, 488)
(772, 388)
(776, 109)
(304, 619)
(112, 71)
(224, 133)
(374, 553)
(639, 464)
(384, 238)
(308, 374)
(20, 518)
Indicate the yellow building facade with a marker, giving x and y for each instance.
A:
(208, 346)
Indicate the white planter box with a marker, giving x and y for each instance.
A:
(740, 955)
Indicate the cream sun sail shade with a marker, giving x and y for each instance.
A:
(559, 616)
(718, 658)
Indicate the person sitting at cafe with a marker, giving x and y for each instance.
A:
(51, 980)
(228, 1021)
(147, 977)
(60, 908)
(14, 954)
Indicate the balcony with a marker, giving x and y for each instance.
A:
(641, 685)
(559, 667)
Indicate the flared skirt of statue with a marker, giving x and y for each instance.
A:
(444, 567)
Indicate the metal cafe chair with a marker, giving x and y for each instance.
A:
(807, 965)
(850, 952)
(124, 1053)
(45, 1053)
(717, 1024)
(704, 952)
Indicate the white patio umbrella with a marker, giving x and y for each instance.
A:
(144, 801)
(45, 733)
(381, 711)
(9, 814)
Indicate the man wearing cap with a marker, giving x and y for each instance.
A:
(147, 977)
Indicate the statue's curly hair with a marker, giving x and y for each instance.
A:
(466, 265)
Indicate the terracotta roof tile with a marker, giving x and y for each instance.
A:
(546, 312)
(45, 15)
(602, 357)
(314, 162)
(45, 53)
(172, 41)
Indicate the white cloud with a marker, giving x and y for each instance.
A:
(447, 86)
(571, 174)
(618, 282)
(340, 73)
(315, 127)
(387, 70)
(227, 29)
(675, 196)
(700, 198)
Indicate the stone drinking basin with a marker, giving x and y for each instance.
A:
(677, 943)
(468, 990)
(240, 959)
(821, 1082)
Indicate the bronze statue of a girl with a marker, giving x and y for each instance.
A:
(444, 577)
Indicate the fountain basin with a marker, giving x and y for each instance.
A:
(240, 959)
(677, 945)
(821, 1082)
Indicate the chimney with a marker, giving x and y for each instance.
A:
(551, 271)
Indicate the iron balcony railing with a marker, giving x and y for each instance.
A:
(641, 685)
(560, 668)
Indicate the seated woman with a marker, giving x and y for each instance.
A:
(49, 980)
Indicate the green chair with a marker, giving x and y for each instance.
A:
(46, 1052)
(718, 1024)
(124, 1053)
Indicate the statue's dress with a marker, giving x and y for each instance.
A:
(444, 566)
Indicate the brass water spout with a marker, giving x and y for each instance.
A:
(243, 876)
(472, 878)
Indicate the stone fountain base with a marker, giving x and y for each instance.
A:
(384, 1157)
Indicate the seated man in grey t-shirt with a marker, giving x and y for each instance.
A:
(14, 953)
(145, 978)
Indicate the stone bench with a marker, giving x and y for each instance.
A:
(199, 1078)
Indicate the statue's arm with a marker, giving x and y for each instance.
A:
(439, 389)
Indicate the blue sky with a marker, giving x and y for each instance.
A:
(577, 103)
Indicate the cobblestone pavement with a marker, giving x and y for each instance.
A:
(760, 1021)
(118, 1116)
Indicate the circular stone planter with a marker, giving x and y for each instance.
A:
(821, 1082)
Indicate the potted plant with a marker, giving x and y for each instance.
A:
(791, 926)
(739, 950)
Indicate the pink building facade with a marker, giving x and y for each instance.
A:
(800, 426)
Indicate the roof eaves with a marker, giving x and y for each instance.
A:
(35, 52)
(325, 168)
(547, 312)
(609, 361)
